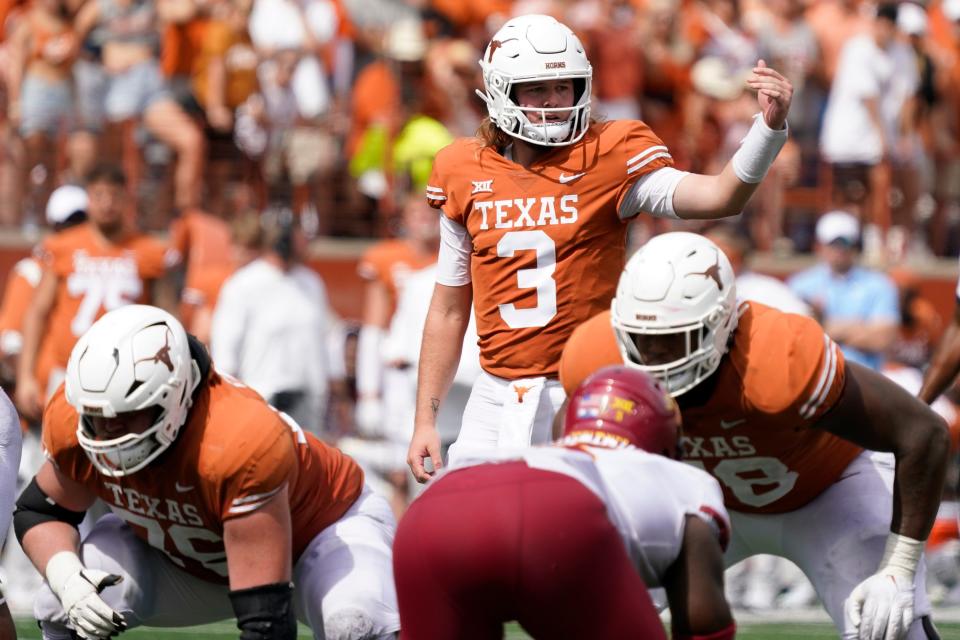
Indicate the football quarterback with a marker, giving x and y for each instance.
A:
(535, 210)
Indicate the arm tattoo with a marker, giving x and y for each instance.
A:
(435, 406)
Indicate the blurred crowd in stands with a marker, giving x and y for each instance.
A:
(335, 107)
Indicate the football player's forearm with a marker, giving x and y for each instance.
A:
(439, 358)
(711, 197)
(703, 197)
(921, 469)
(45, 540)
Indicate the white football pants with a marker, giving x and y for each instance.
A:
(837, 539)
(504, 413)
(343, 582)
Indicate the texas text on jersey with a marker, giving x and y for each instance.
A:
(750, 425)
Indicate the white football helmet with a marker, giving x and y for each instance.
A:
(677, 283)
(133, 358)
(535, 48)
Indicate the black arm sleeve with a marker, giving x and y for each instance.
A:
(35, 507)
(265, 612)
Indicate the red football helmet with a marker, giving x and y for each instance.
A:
(621, 406)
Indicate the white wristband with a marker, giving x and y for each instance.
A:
(758, 150)
(901, 555)
(60, 567)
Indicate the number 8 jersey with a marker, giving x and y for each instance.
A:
(546, 243)
(752, 424)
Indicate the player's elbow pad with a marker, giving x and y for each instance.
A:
(727, 633)
(265, 612)
(35, 507)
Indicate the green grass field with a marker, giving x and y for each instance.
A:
(27, 629)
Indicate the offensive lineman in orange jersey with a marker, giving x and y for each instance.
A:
(218, 501)
(800, 440)
(533, 227)
(87, 270)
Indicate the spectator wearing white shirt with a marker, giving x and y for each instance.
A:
(866, 123)
(271, 324)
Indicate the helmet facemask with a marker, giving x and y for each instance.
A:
(131, 452)
(698, 358)
(514, 119)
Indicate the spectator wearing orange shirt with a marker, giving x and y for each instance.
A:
(834, 22)
(945, 120)
(614, 46)
(212, 66)
(667, 57)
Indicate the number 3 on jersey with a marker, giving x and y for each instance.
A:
(539, 278)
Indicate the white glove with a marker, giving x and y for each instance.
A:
(78, 589)
(881, 607)
(369, 417)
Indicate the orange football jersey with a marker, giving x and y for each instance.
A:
(94, 278)
(21, 283)
(232, 455)
(754, 432)
(390, 261)
(548, 243)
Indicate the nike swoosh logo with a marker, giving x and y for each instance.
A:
(182, 488)
(564, 178)
(730, 424)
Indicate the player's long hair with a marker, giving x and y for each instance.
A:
(493, 136)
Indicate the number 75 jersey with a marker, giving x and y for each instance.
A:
(548, 241)
(95, 278)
